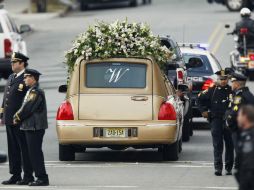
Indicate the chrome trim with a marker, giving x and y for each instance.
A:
(148, 125)
(71, 125)
(161, 125)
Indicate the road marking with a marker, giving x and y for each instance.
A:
(199, 187)
(88, 164)
(218, 42)
(71, 187)
(116, 187)
(214, 33)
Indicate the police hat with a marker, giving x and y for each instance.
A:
(16, 56)
(32, 72)
(238, 77)
(223, 74)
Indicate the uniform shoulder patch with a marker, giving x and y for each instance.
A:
(237, 100)
(32, 95)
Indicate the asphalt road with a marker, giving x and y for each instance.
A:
(186, 21)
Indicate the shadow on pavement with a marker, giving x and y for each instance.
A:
(149, 155)
(201, 125)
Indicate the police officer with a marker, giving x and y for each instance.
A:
(245, 120)
(33, 118)
(14, 94)
(213, 104)
(246, 22)
(242, 96)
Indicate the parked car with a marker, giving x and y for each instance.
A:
(84, 4)
(10, 41)
(202, 77)
(235, 5)
(176, 72)
(119, 103)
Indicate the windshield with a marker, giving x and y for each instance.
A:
(115, 75)
(204, 69)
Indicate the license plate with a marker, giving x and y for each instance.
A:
(115, 133)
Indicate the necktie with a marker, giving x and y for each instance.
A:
(14, 76)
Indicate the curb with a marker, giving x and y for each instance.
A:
(64, 12)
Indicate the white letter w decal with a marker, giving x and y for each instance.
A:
(116, 74)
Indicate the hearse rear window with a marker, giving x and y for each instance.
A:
(115, 75)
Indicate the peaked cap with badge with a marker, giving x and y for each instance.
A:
(238, 77)
(16, 56)
(223, 74)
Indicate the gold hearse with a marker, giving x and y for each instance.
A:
(119, 103)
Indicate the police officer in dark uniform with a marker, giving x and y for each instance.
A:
(33, 118)
(242, 96)
(245, 144)
(213, 104)
(14, 94)
(247, 23)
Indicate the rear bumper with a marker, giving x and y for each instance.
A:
(5, 67)
(149, 134)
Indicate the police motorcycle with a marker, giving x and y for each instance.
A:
(242, 58)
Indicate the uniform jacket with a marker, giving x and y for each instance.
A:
(33, 113)
(249, 24)
(246, 149)
(14, 93)
(216, 99)
(241, 97)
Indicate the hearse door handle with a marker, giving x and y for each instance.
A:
(139, 98)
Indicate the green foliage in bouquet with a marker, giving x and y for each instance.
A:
(118, 39)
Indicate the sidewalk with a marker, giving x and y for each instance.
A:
(16, 6)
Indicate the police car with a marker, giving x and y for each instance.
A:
(201, 77)
(10, 41)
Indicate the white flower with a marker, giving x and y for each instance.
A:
(123, 47)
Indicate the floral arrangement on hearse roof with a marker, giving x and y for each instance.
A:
(118, 39)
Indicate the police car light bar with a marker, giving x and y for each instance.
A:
(195, 45)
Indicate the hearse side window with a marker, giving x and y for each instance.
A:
(115, 75)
